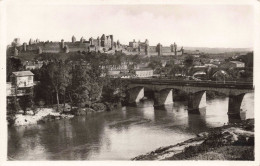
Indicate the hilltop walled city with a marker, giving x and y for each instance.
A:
(101, 44)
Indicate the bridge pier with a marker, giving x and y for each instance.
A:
(197, 102)
(136, 94)
(163, 97)
(234, 105)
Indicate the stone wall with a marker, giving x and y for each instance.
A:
(105, 43)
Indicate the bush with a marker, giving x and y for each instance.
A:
(251, 141)
(113, 106)
(99, 107)
(247, 155)
(81, 111)
(13, 107)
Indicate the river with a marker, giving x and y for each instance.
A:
(117, 135)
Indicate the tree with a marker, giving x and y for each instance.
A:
(155, 63)
(188, 61)
(168, 67)
(43, 90)
(13, 64)
(176, 69)
(78, 92)
(65, 80)
(114, 90)
(58, 77)
(26, 102)
(13, 106)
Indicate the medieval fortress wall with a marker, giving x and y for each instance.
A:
(100, 44)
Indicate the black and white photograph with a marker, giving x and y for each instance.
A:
(114, 81)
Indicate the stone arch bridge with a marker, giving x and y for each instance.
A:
(196, 91)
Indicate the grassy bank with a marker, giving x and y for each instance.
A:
(230, 142)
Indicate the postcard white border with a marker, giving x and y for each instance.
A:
(3, 44)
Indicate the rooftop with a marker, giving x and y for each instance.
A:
(237, 62)
(23, 73)
(143, 69)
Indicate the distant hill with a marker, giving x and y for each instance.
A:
(218, 50)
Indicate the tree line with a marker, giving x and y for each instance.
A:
(78, 80)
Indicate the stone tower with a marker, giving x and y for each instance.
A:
(159, 49)
(175, 48)
(146, 42)
(16, 52)
(182, 51)
(112, 41)
(118, 44)
(24, 46)
(62, 44)
(146, 48)
(139, 48)
(98, 42)
(73, 39)
(172, 48)
(91, 41)
(39, 50)
(67, 49)
(31, 41)
(82, 39)
(103, 40)
(108, 42)
(16, 42)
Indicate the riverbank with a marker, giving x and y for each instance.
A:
(43, 115)
(229, 142)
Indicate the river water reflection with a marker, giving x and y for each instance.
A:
(117, 135)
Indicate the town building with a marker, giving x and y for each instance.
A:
(233, 64)
(31, 65)
(120, 73)
(215, 61)
(238, 64)
(144, 72)
(211, 65)
(21, 84)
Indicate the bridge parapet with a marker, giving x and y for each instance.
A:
(227, 88)
(191, 89)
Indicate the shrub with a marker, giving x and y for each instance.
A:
(99, 107)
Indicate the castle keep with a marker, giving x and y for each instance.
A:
(100, 44)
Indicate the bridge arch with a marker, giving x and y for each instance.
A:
(163, 97)
(135, 94)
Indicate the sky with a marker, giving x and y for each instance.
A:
(187, 25)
